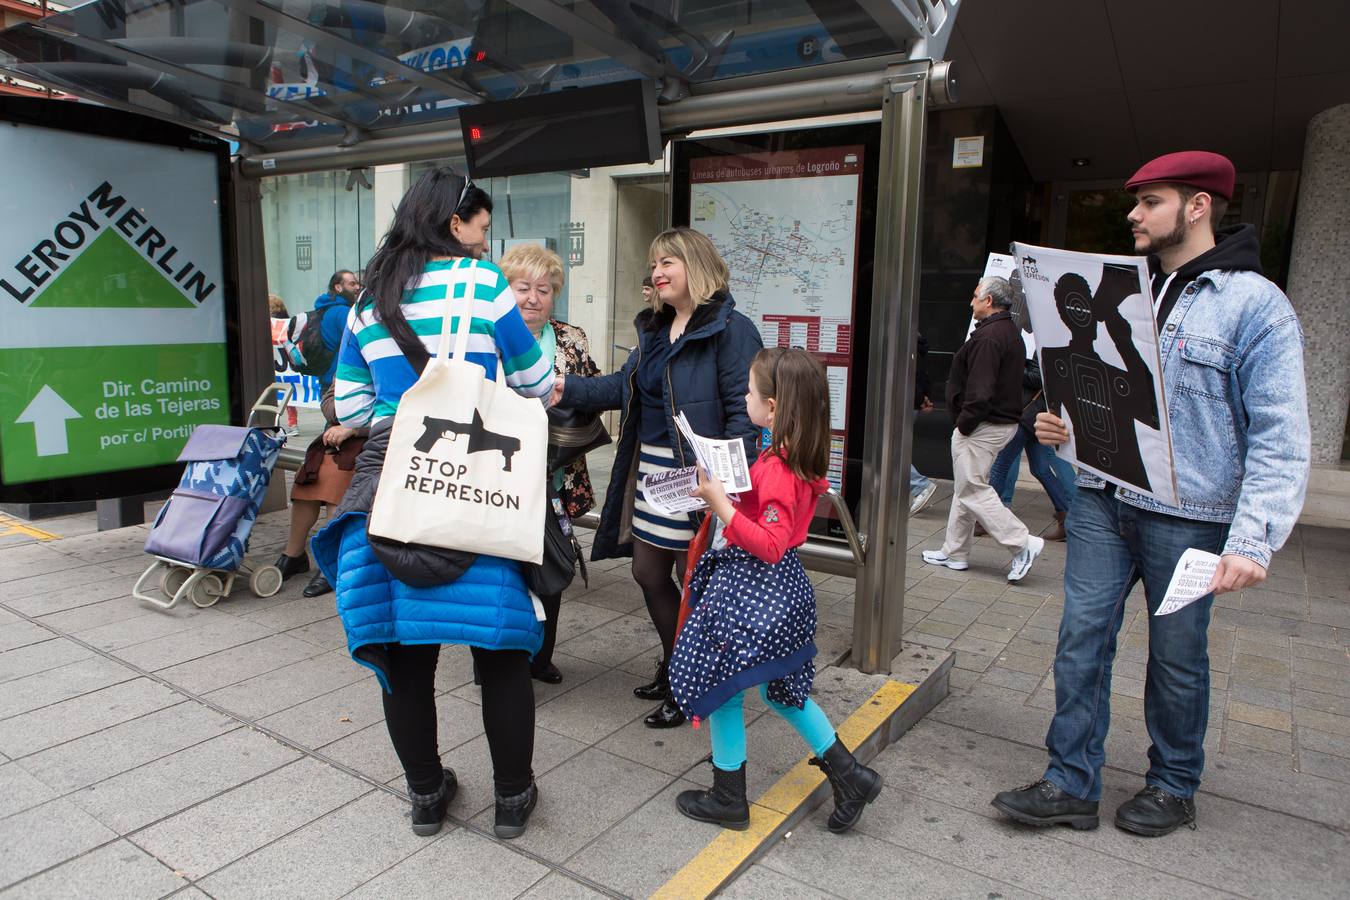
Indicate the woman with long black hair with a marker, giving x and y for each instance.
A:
(399, 603)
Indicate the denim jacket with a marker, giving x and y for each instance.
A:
(1232, 355)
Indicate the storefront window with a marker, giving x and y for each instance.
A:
(314, 225)
(601, 222)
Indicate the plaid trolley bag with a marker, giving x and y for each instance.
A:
(201, 535)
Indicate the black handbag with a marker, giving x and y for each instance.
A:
(572, 433)
(562, 554)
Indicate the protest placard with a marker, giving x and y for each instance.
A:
(1092, 316)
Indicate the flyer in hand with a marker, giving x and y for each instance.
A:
(669, 492)
(722, 459)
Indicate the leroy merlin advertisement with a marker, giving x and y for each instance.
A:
(112, 325)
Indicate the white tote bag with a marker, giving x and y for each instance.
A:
(466, 463)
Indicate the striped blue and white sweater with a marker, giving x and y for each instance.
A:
(372, 372)
(489, 605)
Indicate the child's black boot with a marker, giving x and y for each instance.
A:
(854, 785)
(723, 805)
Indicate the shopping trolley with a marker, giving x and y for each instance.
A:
(201, 535)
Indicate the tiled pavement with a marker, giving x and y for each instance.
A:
(1274, 808)
(237, 751)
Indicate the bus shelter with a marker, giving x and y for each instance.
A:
(736, 96)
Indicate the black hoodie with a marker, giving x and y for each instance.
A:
(1236, 249)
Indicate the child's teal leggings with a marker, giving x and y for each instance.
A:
(727, 725)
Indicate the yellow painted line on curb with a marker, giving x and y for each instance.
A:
(10, 526)
(727, 852)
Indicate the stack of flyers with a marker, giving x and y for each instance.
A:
(669, 492)
(722, 459)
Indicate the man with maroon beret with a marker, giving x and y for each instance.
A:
(1232, 355)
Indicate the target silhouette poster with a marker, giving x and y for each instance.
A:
(1097, 340)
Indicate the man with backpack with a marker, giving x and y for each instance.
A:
(315, 350)
(315, 353)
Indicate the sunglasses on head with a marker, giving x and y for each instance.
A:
(468, 183)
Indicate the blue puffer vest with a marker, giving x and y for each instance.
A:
(488, 606)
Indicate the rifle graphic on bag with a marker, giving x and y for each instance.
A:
(480, 439)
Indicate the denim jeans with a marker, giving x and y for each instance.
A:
(1111, 546)
(918, 482)
(1054, 474)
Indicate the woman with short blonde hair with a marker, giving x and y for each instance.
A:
(535, 274)
(693, 357)
(533, 262)
(705, 270)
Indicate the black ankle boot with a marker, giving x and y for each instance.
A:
(667, 715)
(854, 785)
(514, 811)
(723, 805)
(547, 672)
(658, 688)
(292, 565)
(428, 810)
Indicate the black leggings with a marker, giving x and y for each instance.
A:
(651, 570)
(552, 604)
(508, 715)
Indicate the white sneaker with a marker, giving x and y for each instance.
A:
(938, 558)
(1021, 563)
(920, 500)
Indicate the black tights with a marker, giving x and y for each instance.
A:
(508, 715)
(651, 570)
(552, 604)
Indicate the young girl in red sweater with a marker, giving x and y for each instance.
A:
(753, 618)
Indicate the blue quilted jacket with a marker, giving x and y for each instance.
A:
(488, 606)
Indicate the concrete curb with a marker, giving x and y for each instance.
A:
(919, 682)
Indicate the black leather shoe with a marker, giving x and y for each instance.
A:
(428, 810)
(513, 812)
(547, 673)
(318, 586)
(723, 805)
(1153, 812)
(292, 565)
(657, 688)
(667, 715)
(1044, 803)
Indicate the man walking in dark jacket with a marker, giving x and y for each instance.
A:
(984, 396)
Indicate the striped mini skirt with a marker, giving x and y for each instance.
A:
(649, 526)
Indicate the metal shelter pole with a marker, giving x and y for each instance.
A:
(879, 604)
(256, 369)
(250, 278)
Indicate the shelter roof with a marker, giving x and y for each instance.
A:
(281, 75)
